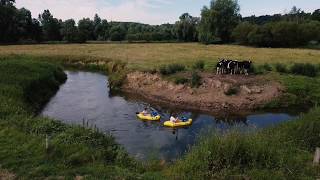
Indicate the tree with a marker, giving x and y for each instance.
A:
(117, 33)
(261, 36)
(219, 20)
(241, 32)
(7, 2)
(316, 15)
(186, 28)
(86, 29)
(70, 31)
(98, 29)
(206, 27)
(104, 32)
(8, 21)
(50, 26)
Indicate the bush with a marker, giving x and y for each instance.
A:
(199, 65)
(232, 91)
(181, 80)
(304, 69)
(195, 79)
(281, 68)
(267, 67)
(171, 69)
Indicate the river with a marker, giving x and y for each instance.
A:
(85, 97)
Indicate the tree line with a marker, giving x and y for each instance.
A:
(220, 22)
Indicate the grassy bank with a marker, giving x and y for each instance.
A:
(28, 81)
(25, 86)
(151, 55)
(283, 152)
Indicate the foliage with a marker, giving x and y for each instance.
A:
(267, 67)
(241, 32)
(186, 28)
(69, 31)
(263, 155)
(222, 17)
(181, 80)
(232, 91)
(199, 65)
(25, 85)
(218, 24)
(50, 26)
(301, 91)
(195, 79)
(305, 69)
(277, 34)
(171, 69)
(281, 68)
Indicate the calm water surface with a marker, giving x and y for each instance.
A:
(85, 96)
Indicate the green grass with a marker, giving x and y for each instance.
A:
(152, 55)
(25, 85)
(27, 82)
(282, 152)
(300, 91)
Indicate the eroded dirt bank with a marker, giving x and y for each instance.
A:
(252, 91)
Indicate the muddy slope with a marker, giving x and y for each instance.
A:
(252, 91)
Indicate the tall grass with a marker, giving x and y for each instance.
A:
(171, 69)
(283, 152)
(73, 150)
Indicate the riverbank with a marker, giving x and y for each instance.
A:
(283, 152)
(216, 93)
(25, 85)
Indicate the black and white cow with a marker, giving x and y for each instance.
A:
(233, 67)
(245, 67)
(221, 66)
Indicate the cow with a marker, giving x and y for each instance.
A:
(232, 67)
(245, 67)
(221, 66)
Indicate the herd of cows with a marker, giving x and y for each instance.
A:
(225, 66)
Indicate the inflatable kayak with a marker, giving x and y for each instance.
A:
(178, 124)
(148, 117)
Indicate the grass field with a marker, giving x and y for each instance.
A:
(26, 82)
(147, 56)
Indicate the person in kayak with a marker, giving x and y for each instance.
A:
(145, 112)
(174, 120)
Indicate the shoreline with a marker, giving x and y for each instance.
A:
(210, 96)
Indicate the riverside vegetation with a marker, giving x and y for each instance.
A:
(25, 85)
(285, 151)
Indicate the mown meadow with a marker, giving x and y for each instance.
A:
(30, 75)
(143, 56)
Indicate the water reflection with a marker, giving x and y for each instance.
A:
(85, 96)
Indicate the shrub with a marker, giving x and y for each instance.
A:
(195, 79)
(304, 69)
(171, 69)
(232, 91)
(267, 67)
(199, 65)
(281, 68)
(181, 80)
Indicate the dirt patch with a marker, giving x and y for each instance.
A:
(6, 175)
(217, 92)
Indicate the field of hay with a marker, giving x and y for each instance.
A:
(147, 56)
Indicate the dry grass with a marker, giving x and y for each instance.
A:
(147, 56)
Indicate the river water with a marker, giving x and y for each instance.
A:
(85, 97)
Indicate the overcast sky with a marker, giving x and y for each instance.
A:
(153, 11)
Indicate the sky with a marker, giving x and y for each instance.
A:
(153, 11)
